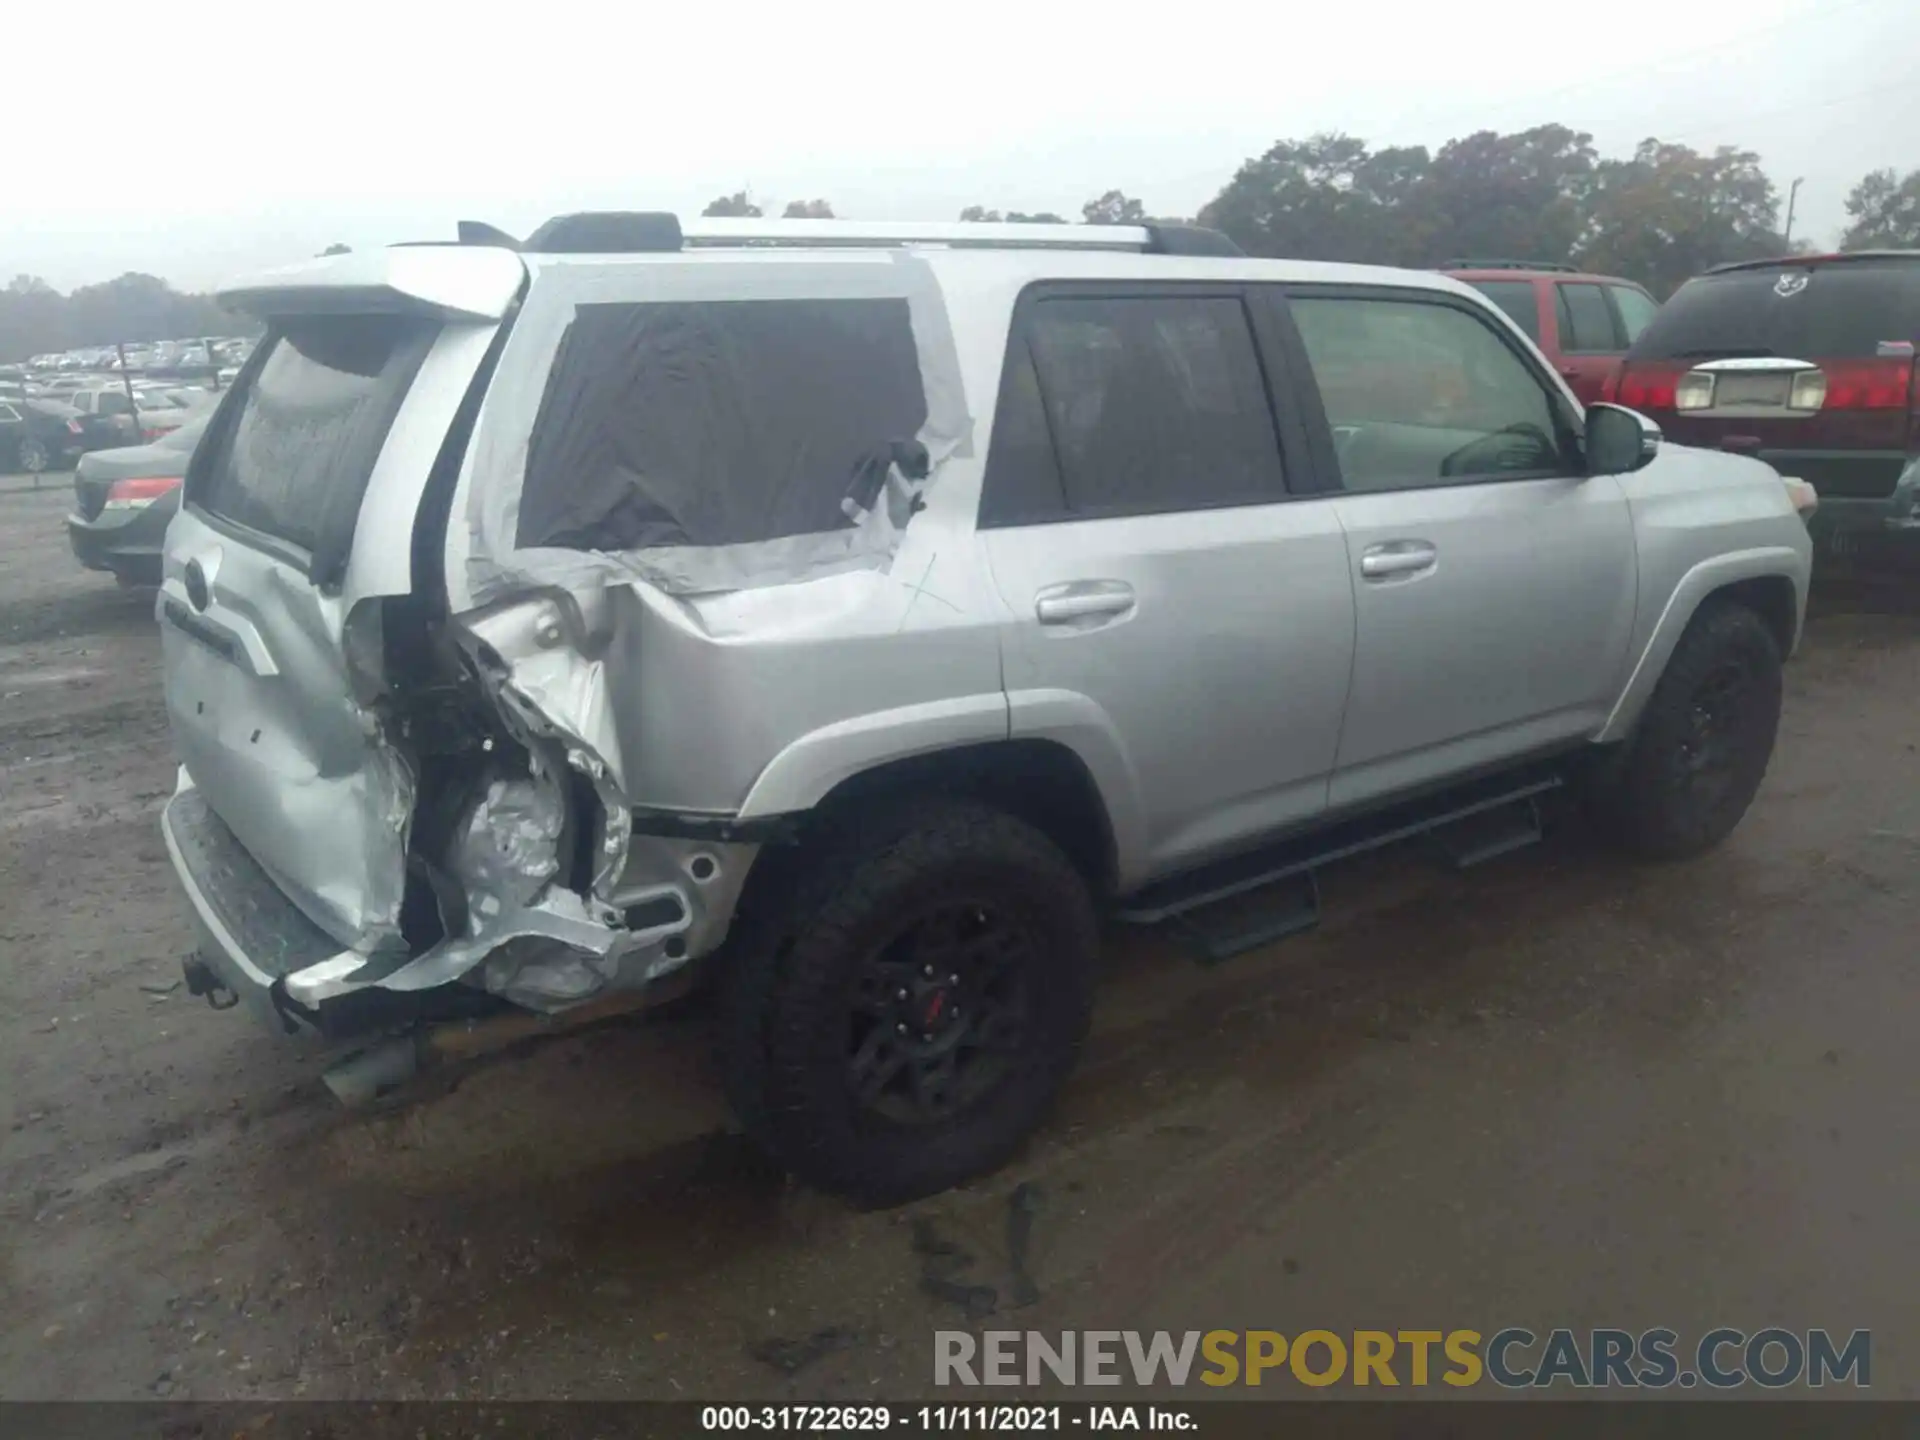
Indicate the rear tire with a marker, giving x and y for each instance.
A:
(907, 1016)
(34, 458)
(1696, 759)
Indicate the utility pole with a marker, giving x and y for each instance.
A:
(1793, 193)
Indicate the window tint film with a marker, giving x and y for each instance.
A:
(1636, 307)
(1517, 299)
(1586, 320)
(1842, 311)
(1424, 394)
(1154, 403)
(293, 457)
(717, 422)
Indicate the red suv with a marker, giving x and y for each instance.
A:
(1582, 323)
(1808, 363)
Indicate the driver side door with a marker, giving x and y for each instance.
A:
(1494, 581)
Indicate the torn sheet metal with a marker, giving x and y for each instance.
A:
(703, 497)
(508, 846)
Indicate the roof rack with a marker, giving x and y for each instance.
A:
(1552, 265)
(640, 231)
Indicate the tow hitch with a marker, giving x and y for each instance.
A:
(203, 980)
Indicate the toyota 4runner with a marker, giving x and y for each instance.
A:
(856, 615)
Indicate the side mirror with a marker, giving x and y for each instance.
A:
(1619, 440)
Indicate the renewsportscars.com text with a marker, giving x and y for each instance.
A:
(1513, 1358)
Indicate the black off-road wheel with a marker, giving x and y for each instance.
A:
(1695, 762)
(907, 1015)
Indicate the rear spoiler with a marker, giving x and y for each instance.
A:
(451, 282)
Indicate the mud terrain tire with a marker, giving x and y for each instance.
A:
(908, 1014)
(1696, 759)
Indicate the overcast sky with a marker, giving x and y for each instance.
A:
(256, 133)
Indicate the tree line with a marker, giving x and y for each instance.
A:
(1658, 216)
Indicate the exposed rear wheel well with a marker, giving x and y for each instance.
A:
(1772, 598)
(1040, 782)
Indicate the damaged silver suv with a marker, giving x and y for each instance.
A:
(856, 616)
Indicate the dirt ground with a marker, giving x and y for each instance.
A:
(1554, 1090)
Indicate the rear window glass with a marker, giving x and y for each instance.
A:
(1516, 298)
(716, 422)
(291, 459)
(1843, 311)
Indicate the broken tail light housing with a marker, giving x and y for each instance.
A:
(137, 494)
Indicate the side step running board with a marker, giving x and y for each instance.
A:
(1474, 824)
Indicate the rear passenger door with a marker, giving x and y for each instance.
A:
(1178, 614)
(1494, 580)
(1591, 342)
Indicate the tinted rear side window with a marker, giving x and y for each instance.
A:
(1516, 298)
(716, 422)
(1843, 311)
(1149, 403)
(290, 457)
(1586, 320)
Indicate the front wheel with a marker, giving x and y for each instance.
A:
(1695, 762)
(909, 1019)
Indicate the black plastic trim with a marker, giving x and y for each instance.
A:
(719, 829)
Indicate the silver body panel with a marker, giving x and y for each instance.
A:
(1221, 674)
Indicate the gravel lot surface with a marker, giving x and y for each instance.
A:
(1555, 1090)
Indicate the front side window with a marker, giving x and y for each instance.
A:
(1421, 394)
(1132, 405)
(1586, 321)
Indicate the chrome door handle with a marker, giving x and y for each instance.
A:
(1397, 557)
(1083, 600)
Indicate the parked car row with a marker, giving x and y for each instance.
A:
(202, 353)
